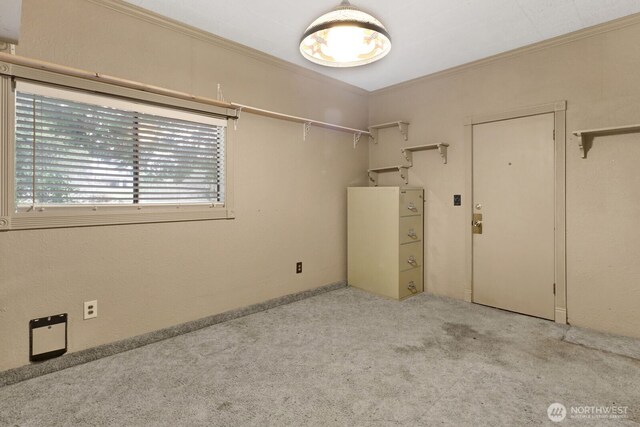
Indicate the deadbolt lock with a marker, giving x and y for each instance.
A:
(476, 224)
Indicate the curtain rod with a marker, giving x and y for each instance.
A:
(130, 84)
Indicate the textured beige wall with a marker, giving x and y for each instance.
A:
(598, 76)
(290, 195)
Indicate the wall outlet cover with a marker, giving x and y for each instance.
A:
(90, 309)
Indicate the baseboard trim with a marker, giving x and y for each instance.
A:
(468, 295)
(561, 315)
(16, 375)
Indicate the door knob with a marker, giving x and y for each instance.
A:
(412, 234)
(412, 207)
(477, 223)
(412, 260)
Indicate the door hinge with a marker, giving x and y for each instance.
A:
(554, 288)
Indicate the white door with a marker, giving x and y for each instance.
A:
(513, 190)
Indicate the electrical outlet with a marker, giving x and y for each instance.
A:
(298, 267)
(90, 309)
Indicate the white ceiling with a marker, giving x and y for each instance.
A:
(428, 35)
(10, 20)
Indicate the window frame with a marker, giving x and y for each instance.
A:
(12, 218)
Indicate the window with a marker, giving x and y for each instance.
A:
(85, 159)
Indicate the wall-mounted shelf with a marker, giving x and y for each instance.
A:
(402, 170)
(586, 136)
(402, 126)
(407, 152)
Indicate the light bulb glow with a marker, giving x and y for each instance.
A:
(346, 43)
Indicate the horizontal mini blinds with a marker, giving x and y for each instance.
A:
(75, 153)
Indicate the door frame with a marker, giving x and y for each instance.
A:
(559, 109)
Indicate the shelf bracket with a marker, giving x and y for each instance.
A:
(306, 127)
(404, 174)
(373, 135)
(402, 126)
(408, 155)
(356, 139)
(404, 130)
(403, 171)
(442, 149)
(373, 178)
(235, 121)
(584, 144)
(586, 136)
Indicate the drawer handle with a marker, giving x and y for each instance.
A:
(412, 207)
(412, 287)
(412, 234)
(412, 260)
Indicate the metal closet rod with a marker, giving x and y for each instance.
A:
(74, 72)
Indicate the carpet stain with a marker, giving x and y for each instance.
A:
(460, 330)
(460, 341)
(426, 345)
(224, 406)
(406, 374)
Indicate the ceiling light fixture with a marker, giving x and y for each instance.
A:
(345, 37)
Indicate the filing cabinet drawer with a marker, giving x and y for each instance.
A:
(411, 202)
(410, 229)
(410, 256)
(410, 283)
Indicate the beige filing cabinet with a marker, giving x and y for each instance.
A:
(385, 240)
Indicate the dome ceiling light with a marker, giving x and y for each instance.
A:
(345, 37)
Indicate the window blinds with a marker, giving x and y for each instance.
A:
(84, 153)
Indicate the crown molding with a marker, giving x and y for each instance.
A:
(198, 34)
(171, 24)
(575, 36)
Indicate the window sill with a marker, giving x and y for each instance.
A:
(70, 217)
